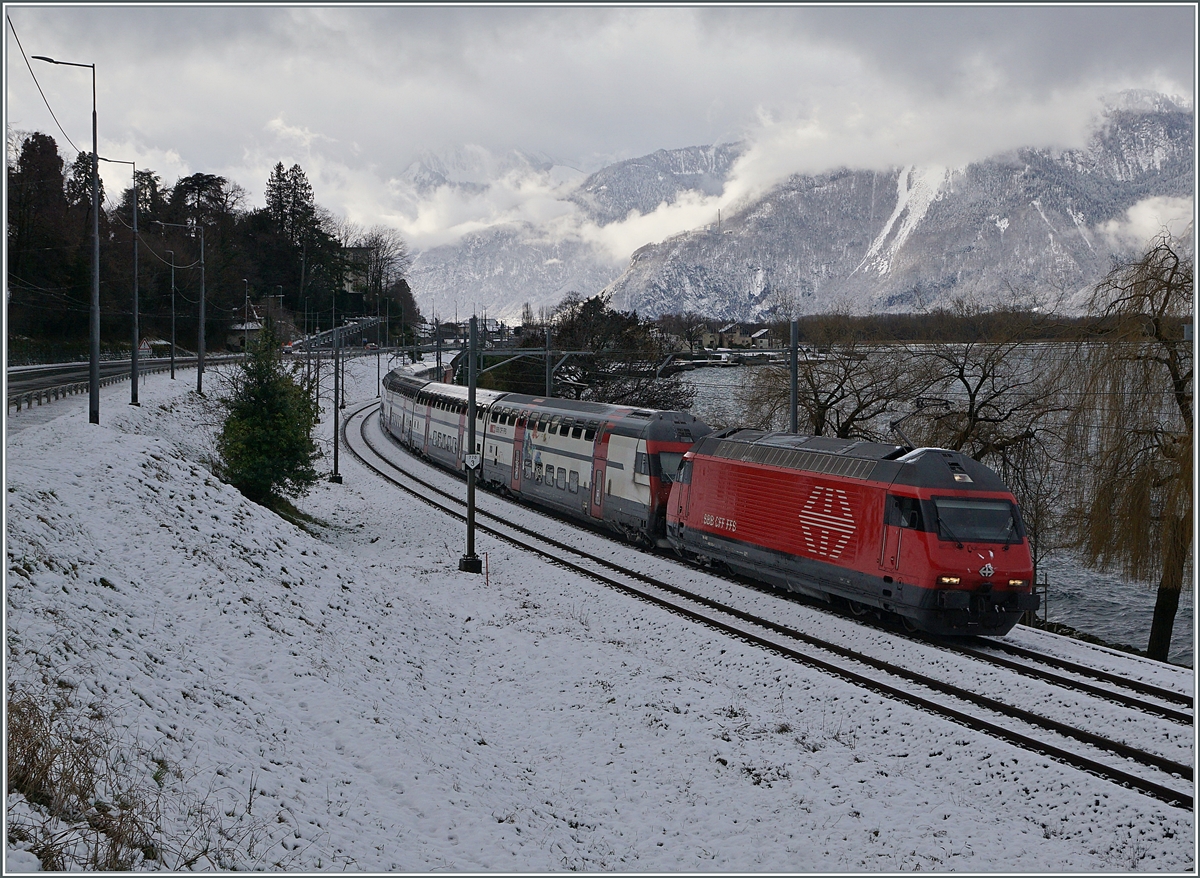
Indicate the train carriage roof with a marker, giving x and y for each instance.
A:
(483, 398)
(567, 406)
(411, 386)
(404, 382)
(856, 459)
(650, 424)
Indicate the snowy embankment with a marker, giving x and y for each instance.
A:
(347, 699)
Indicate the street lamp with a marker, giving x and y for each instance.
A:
(94, 355)
(200, 346)
(172, 252)
(133, 359)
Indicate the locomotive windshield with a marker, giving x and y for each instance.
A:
(977, 521)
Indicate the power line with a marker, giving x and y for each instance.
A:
(39, 85)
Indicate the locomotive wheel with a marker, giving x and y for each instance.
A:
(909, 625)
(858, 609)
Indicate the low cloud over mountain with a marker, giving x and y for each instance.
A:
(711, 229)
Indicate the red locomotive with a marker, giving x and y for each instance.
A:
(927, 534)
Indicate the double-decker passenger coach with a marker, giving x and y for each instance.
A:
(604, 464)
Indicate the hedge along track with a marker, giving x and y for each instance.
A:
(773, 636)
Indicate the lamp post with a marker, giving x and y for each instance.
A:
(172, 252)
(200, 346)
(246, 321)
(336, 477)
(133, 358)
(793, 401)
(94, 354)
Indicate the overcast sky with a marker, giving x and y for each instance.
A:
(355, 95)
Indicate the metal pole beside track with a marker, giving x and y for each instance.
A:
(470, 563)
(795, 375)
(336, 478)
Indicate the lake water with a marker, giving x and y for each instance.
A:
(1104, 605)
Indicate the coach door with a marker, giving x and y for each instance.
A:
(518, 454)
(460, 446)
(599, 465)
(428, 421)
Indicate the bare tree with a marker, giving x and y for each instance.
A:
(999, 390)
(387, 260)
(1131, 429)
(846, 390)
(689, 327)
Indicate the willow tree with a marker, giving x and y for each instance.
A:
(1131, 429)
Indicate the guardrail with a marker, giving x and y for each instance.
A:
(46, 395)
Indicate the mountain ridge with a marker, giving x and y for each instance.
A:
(1038, 224)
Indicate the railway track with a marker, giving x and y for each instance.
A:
(1156, 774)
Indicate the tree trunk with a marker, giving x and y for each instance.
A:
(1179, 538)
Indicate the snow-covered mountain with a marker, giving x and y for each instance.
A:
(1036, 224)
(514, 260)
(642, 184)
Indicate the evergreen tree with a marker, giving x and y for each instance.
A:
(290, 204)
(79, 183)
(151, 201)
(266, 444)
(48, 252)
(302, 209)
(277, 197)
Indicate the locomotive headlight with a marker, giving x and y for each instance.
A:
(948, 580)
(1016, 583)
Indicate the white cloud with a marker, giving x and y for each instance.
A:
(356, 94)
(1146, 220)
(301, 135)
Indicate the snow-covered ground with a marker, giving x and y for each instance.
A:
(346, 699)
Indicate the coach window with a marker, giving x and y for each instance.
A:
(589, 434)
(573, 484)
(562, 478)
(537, 472)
